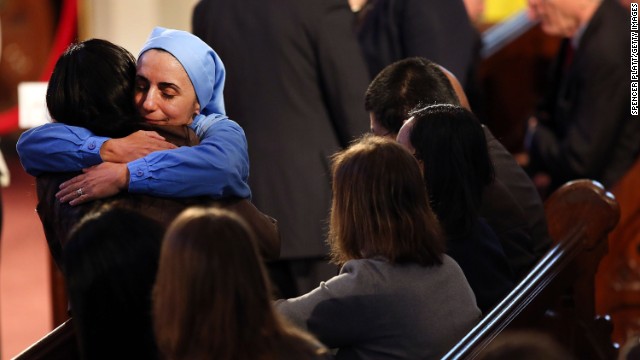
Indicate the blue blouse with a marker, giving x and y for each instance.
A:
(217, 167)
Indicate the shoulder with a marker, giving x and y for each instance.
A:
(362, 268)
(606, 37)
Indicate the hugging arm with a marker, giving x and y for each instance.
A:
(56, 147)
(217, 167)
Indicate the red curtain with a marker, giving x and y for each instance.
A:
(66, 33)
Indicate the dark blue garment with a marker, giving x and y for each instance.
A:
(484, 263)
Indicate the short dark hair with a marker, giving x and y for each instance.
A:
(404, 85)
(451, 143)
(92, 86)
(380, 206)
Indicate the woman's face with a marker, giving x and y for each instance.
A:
(164, 93)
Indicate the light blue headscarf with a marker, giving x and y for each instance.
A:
(202, 64)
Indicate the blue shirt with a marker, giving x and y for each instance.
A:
(217, 167)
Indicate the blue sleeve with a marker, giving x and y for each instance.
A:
(56, 147)
(217, 167)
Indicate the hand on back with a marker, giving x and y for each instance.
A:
(100, 181)
(139, 144)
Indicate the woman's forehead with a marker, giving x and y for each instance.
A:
(161, 63)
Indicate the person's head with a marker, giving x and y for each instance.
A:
(179, 76)
(380, 206)
(212, 295)
(451, 146)
(92, 86)
(400, 88)
(562, 17)
(110, 263)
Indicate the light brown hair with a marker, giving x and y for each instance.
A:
(211, 297)
(380, 206)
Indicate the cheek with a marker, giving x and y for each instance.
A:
(137, 98)
(177, 113)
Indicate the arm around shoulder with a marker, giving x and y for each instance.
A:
(217, 167)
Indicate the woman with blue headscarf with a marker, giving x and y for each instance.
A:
(180, 82)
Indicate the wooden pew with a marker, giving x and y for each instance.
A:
(557, 296)
(59, 344)
(618, 278)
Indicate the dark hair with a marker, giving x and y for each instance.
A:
(405, 85)
(212, 294)
(380, 206)
(110, 263)
(92, 86)
(450, 142)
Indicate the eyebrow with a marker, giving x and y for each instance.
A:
(161, 85)
(165, 85)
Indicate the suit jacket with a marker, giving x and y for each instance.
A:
(484, 263)
(514, 210)
(439, 30)
(585, 129)
(295, 83)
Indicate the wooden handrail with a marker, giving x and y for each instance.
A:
(59, 344)
(558, 293)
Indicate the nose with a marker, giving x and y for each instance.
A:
(148, 101)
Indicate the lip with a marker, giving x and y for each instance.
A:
(155, 122)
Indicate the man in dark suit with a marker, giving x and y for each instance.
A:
(585, 128)
(295, 82)
(439, 30)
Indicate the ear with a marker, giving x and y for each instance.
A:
(196, 109)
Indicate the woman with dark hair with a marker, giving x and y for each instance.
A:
(398, 296)
(73, 98)
(110, 110)
(110, 263)
(92, 90)
(450, 144)
(211, 299)
(93, 85)
(179, 81)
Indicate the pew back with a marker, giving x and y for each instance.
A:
(557, 296)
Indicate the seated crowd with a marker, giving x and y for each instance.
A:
(147, 211)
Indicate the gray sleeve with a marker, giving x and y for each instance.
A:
(332, 312)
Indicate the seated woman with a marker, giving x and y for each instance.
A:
(110, 264)
(109, 110)
(181, 82)
(450, 144)
(211, 299)
(397, 296)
